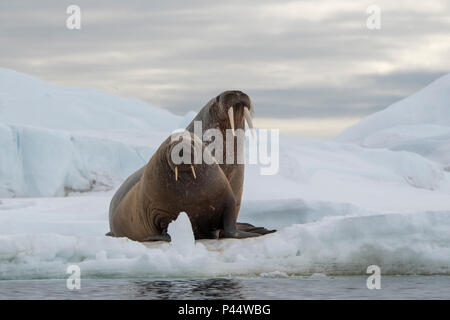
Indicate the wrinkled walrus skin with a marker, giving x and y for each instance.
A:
(162, 192)
(213, 115)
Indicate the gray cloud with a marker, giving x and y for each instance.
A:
(178, 54)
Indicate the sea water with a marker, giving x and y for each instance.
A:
(313, 287)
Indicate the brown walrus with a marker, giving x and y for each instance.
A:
(167, 188)
(229, 110)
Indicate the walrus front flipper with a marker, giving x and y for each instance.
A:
(159, 237)
(251, 228)
(230, 229)
(109, 234)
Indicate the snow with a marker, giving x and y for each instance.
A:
(29, 101)
(56, 139)
(44, 162)
(377, 194)
(181, 234)
(419, 123)
(69, 233)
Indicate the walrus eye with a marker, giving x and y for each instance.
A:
(248, 118)
(231, 117)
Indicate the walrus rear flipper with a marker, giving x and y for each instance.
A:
(251, 228)
(109, 234)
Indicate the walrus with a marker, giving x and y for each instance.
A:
(165, 188)
(228, 110)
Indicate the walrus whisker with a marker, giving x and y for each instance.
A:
(193, 171)
(248, 118)
(176, 173)
(231, 116)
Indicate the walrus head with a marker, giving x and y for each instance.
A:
(230, 108)
(180, 153)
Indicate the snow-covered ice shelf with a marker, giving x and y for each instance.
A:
(377, 194)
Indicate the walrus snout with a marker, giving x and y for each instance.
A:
(192, 169)
(238, 108)
(235, 99)
(181, 153)
(245, 111)
(178, 168)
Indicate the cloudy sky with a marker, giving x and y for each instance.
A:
(311, 67)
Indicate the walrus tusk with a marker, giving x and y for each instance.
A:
(176, 173)
(231, 116)
(248, 117)
(193, 171)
